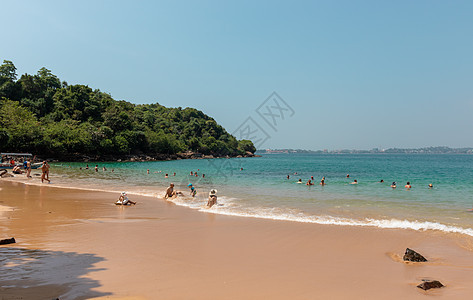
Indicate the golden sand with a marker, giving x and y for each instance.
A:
(76, 244)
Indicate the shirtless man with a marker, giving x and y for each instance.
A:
(45, 169)
(170, 192)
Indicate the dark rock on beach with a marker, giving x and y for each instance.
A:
(7, 241)
(411, 255)
(430, 284)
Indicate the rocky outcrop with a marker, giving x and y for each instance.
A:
(430, 284)
(7, 241)
(411, 255)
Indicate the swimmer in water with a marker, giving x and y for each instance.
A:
(287, 176)
(393, 185)
(309, 182)
(431, 185)
(381, 181)
(300, 180)
(354, 182)
(408, 185)
(348, 175)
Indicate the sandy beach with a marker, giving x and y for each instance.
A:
(76, 244)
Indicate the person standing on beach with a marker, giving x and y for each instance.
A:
(45, 172)
(28, 168)
(96, 168)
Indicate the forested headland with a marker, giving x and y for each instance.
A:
(45, 116)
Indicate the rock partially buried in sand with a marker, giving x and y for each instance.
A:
(411, 255)
(7, 241)
(430, 284)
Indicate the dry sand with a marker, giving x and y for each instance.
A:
(75, 244)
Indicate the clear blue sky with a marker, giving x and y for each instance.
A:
(358, 74)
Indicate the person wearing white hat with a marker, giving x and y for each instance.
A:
(212, 198)
(123, 200)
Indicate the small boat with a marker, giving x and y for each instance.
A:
(10, 160)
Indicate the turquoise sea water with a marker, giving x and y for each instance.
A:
(262, 189)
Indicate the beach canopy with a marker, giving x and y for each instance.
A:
(17, 154)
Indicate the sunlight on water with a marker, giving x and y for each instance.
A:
(262, 189)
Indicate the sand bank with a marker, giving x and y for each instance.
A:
(76, 244)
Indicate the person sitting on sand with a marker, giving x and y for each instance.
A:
(309, 182)
(193, 190)
(212, 198)
(123, 200)
(170, 192)
(408, 185)
(354, 182)
(17, 170)
(393, 185)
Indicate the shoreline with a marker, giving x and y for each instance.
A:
(142, 157)
(158, 191)
(184, 254)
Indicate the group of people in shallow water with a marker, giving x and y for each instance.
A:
(171, 193)
(322, 182)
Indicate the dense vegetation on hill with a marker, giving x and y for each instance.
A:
(42, 115)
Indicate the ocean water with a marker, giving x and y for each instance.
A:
(262, 189)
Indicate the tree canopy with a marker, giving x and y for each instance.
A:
(42, 115)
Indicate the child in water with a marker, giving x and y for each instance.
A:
(193, 190)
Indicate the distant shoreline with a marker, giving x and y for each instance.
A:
(426, 150)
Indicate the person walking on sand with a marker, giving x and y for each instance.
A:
(45, 172)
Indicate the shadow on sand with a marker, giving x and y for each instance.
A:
(44, 274)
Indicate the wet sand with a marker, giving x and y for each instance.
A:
(76, 244)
